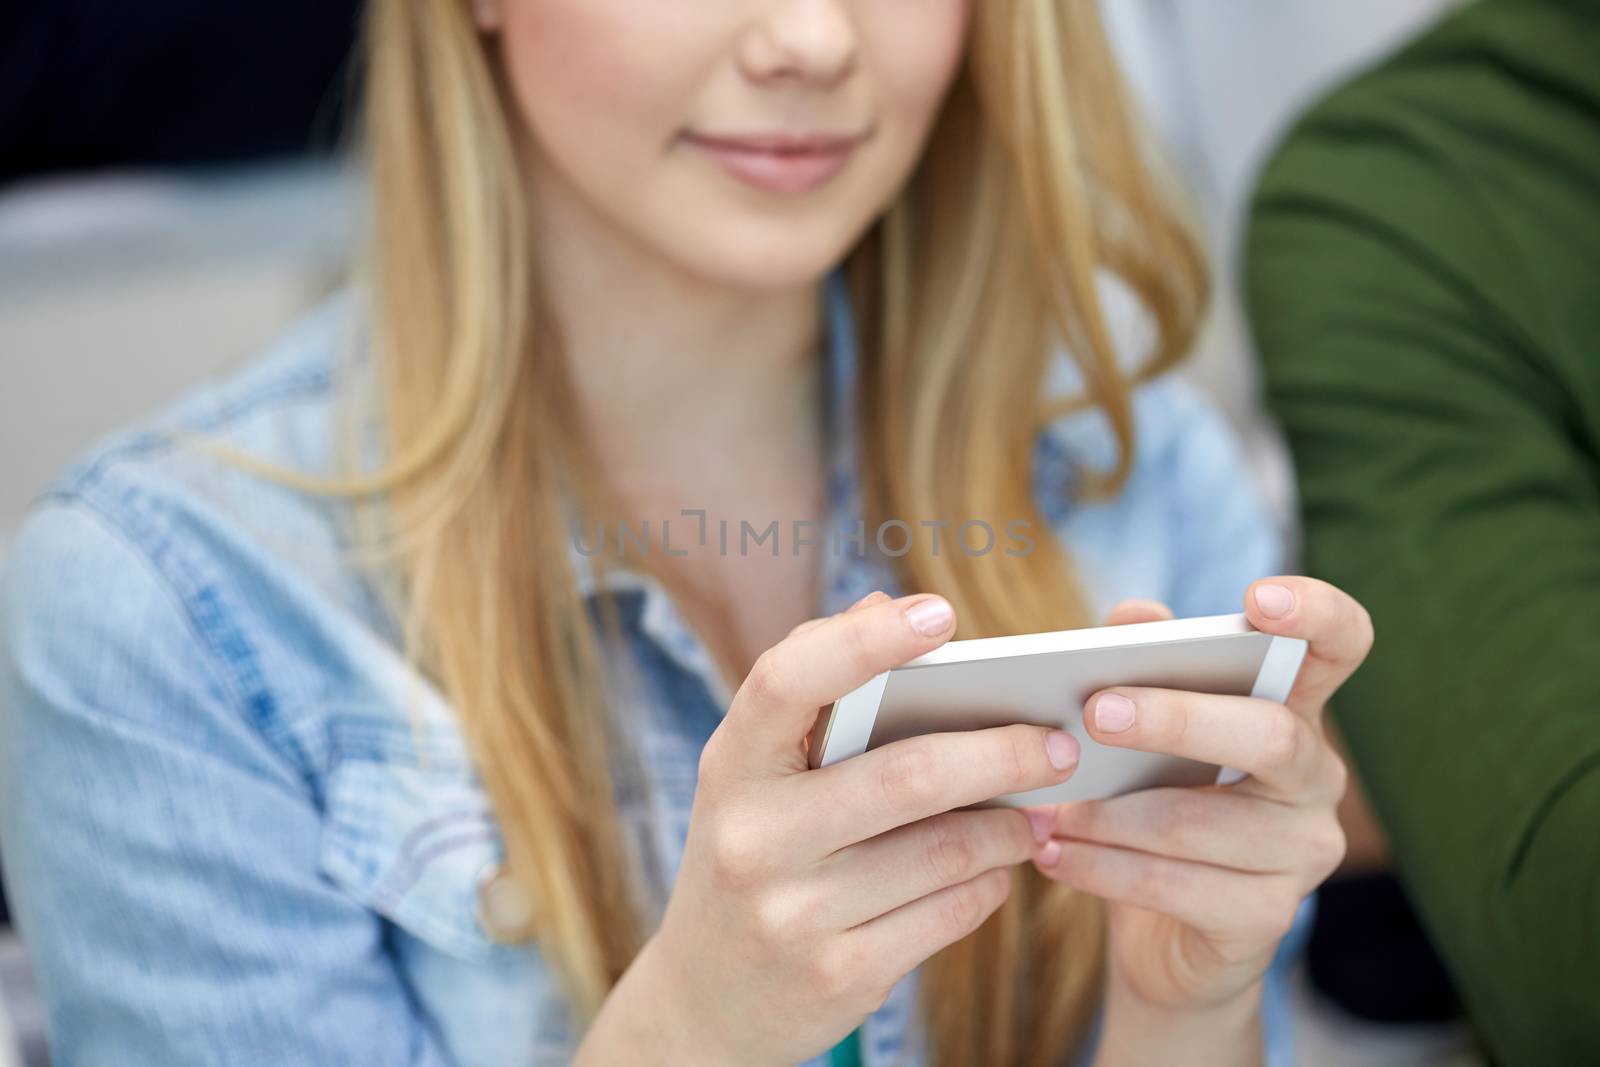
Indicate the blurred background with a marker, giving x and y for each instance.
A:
(171, 195)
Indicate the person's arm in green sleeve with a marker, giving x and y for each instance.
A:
(1444, 435)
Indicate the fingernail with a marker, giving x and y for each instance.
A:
(931, 617)
(1042, 823)
(1275, 601)
(1113, 713)
(1062, 748)
(1050, 854)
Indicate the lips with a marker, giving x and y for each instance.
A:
(779, 162)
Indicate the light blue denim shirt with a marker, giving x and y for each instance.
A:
(239, 829)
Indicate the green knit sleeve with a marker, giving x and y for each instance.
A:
(1409, 264)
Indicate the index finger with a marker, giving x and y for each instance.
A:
(917, 777)
(778, 703)
(1336, 628)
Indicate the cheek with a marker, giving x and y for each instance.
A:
(915, 48)
(596, 81)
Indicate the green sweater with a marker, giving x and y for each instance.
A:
(1423, 273)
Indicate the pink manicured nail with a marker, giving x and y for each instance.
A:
(1042, 822)
(930, 617)
(1274, 601)
(1062, 748)
(1113, 713)
(1050, 854)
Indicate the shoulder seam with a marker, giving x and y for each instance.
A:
(80, 505)
(151, 439)
(249, 694)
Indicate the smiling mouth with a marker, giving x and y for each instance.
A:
(779, 161)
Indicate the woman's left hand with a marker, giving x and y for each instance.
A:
(1203, 883)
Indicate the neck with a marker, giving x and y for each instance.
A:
(681, 382)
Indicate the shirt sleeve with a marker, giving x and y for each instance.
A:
(161, 852)
(1448, 484)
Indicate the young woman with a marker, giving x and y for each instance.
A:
(328, 741)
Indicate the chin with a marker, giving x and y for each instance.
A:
(746, 255)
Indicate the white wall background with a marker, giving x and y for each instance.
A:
(1222, 80)
(117, 291)
(1224, 77)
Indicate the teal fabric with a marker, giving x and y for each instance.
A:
(847, 1053)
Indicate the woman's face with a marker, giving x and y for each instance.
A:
(750, 142)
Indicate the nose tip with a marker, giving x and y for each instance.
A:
(805, 40)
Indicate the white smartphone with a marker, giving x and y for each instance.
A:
(1045, 678)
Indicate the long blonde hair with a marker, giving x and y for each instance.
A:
(1035, 182)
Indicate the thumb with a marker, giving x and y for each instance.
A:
(777, 704)
(877, 596)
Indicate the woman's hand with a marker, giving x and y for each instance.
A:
(1203, 883)
(804, 896)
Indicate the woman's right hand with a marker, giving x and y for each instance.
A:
(805, 895)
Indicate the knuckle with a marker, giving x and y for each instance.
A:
(1328, 848)
(1365, 633)
(964, 908)
(905, 777)
(1283, 738)
(774, 919)
(948, 852)
(1338, 776)
(835, 972)
(737, 855)
(1011, 760)
(769, 682)
(709, 770)
(858, 648)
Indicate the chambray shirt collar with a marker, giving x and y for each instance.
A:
(846, 575)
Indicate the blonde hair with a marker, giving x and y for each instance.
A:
(1035, 181)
